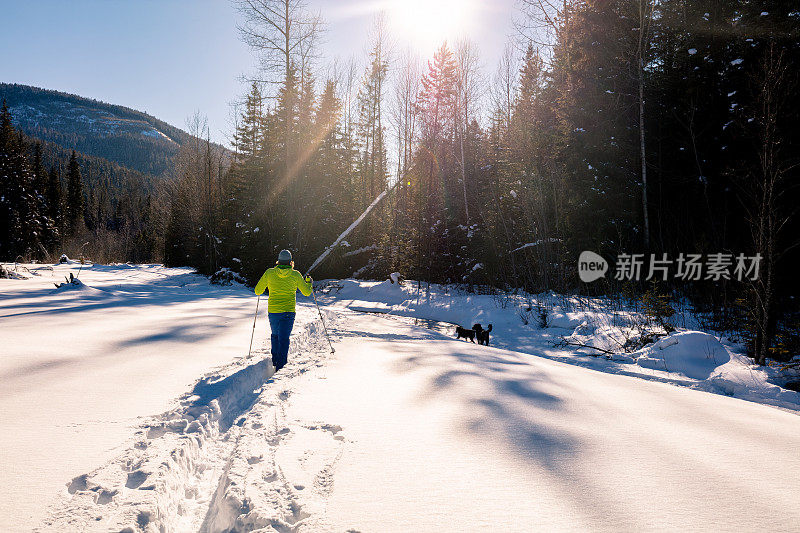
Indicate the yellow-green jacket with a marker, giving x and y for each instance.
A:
(282, 281)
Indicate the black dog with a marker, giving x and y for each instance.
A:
(482, 334)
(465, 333)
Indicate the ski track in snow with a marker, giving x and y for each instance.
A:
(216, 462)
(407, 429)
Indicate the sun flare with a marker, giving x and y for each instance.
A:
(425, 24)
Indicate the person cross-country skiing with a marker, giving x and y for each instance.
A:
(281, 283)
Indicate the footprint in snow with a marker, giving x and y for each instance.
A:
(135, 479)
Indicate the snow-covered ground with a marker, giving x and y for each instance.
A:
(404, 428)
(80, 366)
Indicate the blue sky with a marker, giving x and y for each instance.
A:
(172, 57)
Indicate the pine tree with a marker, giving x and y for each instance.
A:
(332, 181)
(531, 190)
(285, 142)
(39, 172)
(54, 197)
(436, 169)
(8, 187)
(19, 209)
(372, 165)
(597, 134)
(74, 202)
(46, 225)
(248, 136)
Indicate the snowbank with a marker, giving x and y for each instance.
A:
(559, 319)
(7, 272)
(693, 354)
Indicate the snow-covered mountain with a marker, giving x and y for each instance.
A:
(125, 136)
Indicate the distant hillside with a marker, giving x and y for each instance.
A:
(95, 171)
(119, 134)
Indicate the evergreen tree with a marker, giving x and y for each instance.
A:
(54, 196)
(19, 208)
(74, 209)
(8, 216)
(247, 138)
(372, 161)
(532, 191)
(435, 167)
(47, 226)
(371, 173)
(331, 179)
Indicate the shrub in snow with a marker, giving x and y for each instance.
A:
(226, 276)
(63, 259)
(71, 282)
(657, 307)
(6, 273)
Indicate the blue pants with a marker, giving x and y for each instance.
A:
(281, 326)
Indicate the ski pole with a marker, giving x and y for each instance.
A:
(254, 326)
(324, 327)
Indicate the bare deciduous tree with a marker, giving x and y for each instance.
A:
(769, 184)
(469, 88)
(404, 111)
(645, 18)
(504, 88)
(281, 32)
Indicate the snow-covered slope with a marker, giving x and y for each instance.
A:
(404, 428)
(87, 120)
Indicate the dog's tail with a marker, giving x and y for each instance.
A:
(489, 328)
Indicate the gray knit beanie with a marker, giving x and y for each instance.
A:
(285, 257)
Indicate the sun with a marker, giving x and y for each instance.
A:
(425, 24)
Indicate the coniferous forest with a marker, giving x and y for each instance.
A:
(654, 127)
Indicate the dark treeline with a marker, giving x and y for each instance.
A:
(54, 201)
(147, 155)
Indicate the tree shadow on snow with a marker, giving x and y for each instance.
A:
(501, 399)
(181, 289)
